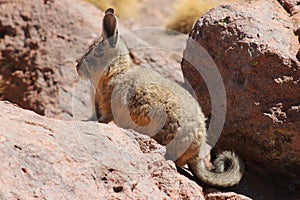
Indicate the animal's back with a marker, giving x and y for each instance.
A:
(145, 101)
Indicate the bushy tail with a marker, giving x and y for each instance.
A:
(229, 170)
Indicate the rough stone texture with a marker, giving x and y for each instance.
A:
(259, 188)
(225, 196)
(254, 48)
(157, 49)
(54, 159)
(39, 44)
(291, 6)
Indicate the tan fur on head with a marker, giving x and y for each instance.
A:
(142, 100)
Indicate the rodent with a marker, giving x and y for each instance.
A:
(143, 100)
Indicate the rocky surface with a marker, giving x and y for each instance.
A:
(225, 196)
(39, 44)
(157, 49)
(254, 48)
(291, 6)
(47, 158)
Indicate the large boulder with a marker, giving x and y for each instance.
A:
(40, 42)
(47, 158)
(254, 47)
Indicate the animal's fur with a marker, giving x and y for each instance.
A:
(144, 101)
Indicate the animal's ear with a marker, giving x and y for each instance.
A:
(110, 30)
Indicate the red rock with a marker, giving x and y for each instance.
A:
(39, 44)
(254, 48)
(157, 49)
(54, 159)
(291, 6)
(225, 196)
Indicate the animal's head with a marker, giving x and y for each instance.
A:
(106, 50)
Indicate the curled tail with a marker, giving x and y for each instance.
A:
(229, 170)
